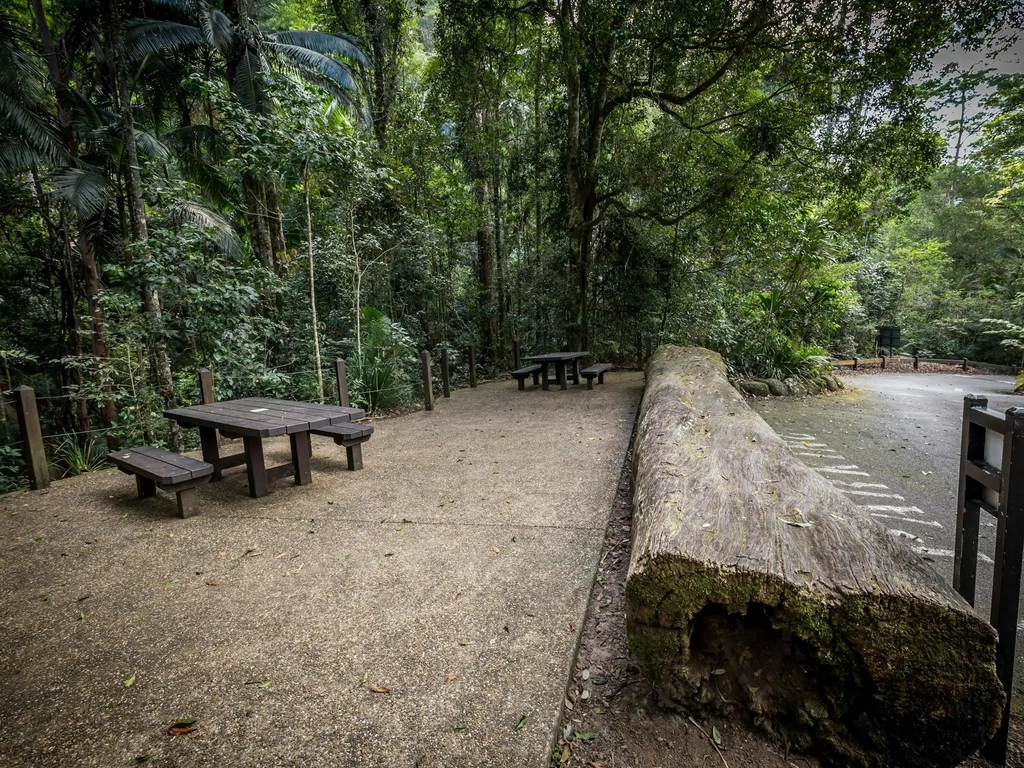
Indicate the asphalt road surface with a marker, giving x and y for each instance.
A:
(892, 443)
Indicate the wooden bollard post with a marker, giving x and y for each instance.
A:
(31, 437)
(855, 363)
(517, 358)
(472, 365)
(206, 396)
(342, 376)
(639, 352)
(446, 381)
(648, 348)
(883, 362)
(428, 385)
(965, 364)
(915, 362)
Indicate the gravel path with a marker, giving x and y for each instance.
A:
(422, 612)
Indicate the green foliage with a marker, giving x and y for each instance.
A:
(72, 456)
(382, 371)
(465, 184)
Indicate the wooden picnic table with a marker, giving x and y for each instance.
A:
(256, 418)
(560, 359)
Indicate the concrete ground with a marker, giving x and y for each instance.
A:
(452, 572)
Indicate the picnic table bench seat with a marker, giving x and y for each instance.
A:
(351, 435)
(596, 370)
(521, 374)
(156, 468)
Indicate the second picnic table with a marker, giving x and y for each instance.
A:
(561, 360)
(256, 418)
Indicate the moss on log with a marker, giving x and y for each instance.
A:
(756, 586)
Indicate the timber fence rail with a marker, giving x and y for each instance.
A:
(962, 363)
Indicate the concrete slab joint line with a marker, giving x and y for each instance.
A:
(411, 613)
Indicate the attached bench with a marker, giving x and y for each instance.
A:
(156, 468)
(597, 370)
(351, 435)
(522, 373)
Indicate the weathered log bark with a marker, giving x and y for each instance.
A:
(755, 585)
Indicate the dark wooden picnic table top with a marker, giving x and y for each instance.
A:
(554, 357)
(263, 416)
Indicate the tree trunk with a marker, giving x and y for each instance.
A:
(100, 351)
(312, 286)
(259, 231)
(275, 225)
(137, 215)
(86, 248)
(485, 268)
(755, 585)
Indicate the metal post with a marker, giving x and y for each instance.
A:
(647, 349)
(639, 352)
(1009, 554)
(883, 362)
(915, 362)
(516, 356)
(428, 386)
(472, 365)
(31, 437)
(446, 383)
(965, 556)
(342, 376)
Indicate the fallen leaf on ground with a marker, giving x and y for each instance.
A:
(260, 683)
(211, 583)
(599, 710)
(496, 550)
(586, 735)
(459, 728)
(130, 681)
(450, 677)
(379, 689)
(183, 726)
(566, 754)
(716, 735)
(364, 678)
(520, 723)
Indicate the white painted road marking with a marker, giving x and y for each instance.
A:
(873, 494)
(860, 485)
(892, 508)
(931, 523)
(838, 471)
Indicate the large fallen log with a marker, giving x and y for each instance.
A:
(756, 586)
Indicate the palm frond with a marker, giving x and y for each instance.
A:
(150, 146)
(198, 215)
(322, 42)
(152, 36)
(32, 128)
(320, 67)
(249, 84)
(86, 191)
(17, 157)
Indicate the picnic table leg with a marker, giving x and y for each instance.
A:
(354, 453)
(254, 467)
(544, 376)
(211, 451)
(147, 487)
(300, 457)
(563, 381)
(576, 371)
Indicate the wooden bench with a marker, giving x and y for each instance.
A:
(596, 370)
(521, 374)
(156, 468)
(351, 435)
